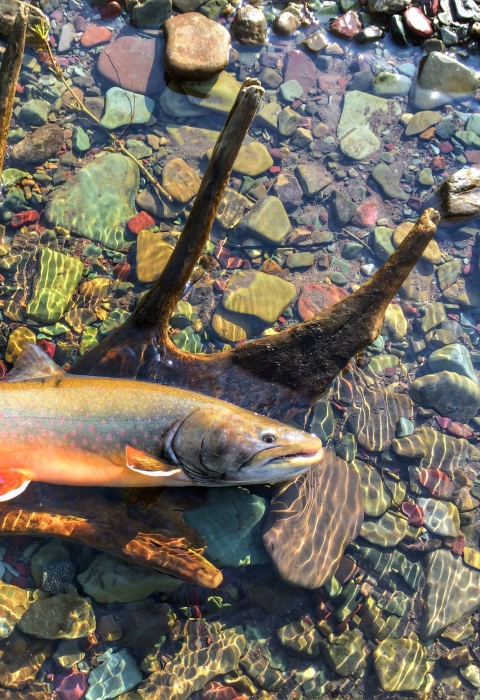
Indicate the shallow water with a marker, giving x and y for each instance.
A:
(313, 603)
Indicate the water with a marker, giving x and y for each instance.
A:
(334, 169)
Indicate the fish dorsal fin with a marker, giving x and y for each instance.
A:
(33, 363)
(143, 463)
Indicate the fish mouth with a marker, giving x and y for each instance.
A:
(279, 458)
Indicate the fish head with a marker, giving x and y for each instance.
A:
(217, 445)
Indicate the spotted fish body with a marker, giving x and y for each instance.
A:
(89, 431)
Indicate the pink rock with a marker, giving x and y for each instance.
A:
(71, 687)
(276, 154)
(317, 297)
(56, 15)
(446, 147)
(110, 11)
(466, 269)
(346, 26)
(327, 83)
(219, 285)
(298, 66)
(95, 35)
(275, 169)
(140, 221)
(437, 482)
(366, 214)
(458, 545)
(417, 22)
(122, 271)
(134, 63)
(459, 430)
(79, 23)
(444, 423)
(226, 259)
(414, 513)
(473, 157)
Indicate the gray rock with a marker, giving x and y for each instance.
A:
(388, 181)
(35, 112)
(441, 80)
(67, 37)
(453, 358)
(151, 13)
(343, 208)
(458, 197)
(452, 395)
(386, 84)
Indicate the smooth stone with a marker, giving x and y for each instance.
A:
(382, 242)
(434, 315)
(268, 115)
(270, 78)
(232, 209)
(401, 664)
(196, 48)
(217, 94)
(312, 178)
(151, 13)
(9, 12)
(386, 84)
(394, 323)
(286, 23)
(404, 428)
(80, 140)
(376, 498)
(231, 327)
(314, 298)
(68, 653)
(432, 252)
(448, 273)
(175, 102)
(123, 107)
(288, 190)
(138, 149)
(253, 159)
(66, 38)
(63, 616)
(156, 204)
(345, 653)
(35, 112)
(472, 674)
(153, 253)
(98, 200)
(21, 660)
(440, 517)
(110, 579)
(268, 221)
(451, 394)
(387, 531)
(421, 121)
(134, 63)
(14, 602)
(180, 180)
(343, 209)
(95, 35)
(257, 294)
(299, 639)
(55, 283)
(39, 146)
(440, 80)
(288, 120)
(358, 109)
(388, 182)
(117, 674)
(300, 67)
(453, 358)
(299, 260)
(250, 26)
(231, 523)
(425, 177)
(360, 143)
(291, 90)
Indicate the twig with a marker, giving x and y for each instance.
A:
(359, 240)
(9, 72)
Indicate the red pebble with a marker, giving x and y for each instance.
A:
(466, 269)
(20, 567)
(219, 285)
(444, 423)
(24, 217)
(140, 221)
(276, 154)
(445, 147)
(216, 691)
(110, 11)
(366, 214)
(458, 545)
(459, 430)
(19, 89)
(414, 513)
(438, 164)
(438, 483)
(275, 169)
(415, 203)
(226, 259)
(295, 105)
(342, 83)
(346, 26)
(47, 347)
(122, 271)
(417, 23)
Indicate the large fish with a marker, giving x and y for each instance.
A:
(90, 431)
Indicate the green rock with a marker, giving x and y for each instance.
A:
(175, 102)
(268, 221)
(380, 363)
(231, 523)
(13, 176)
(404, 427)
(440, 80)
(35, 112)
(123, 107)
(57, 279)
(401, 664)
(98, 201)
(449, 393)
(151, 13)
(116, 318)
(360, 143)
(440, 517)
(351, 250)
(312, 178)
(388, 531)
(346, 447)
(472, 674)
(295, 260)
(425, 177)
(110, 579)
(345, 653)
(388, 181)
(434, 315)
(68, 653)
(16, 135)
(15, 200)
(301, 138)
(382, 242)
(217, 94)
(386, 84)
(253, 159)
(358, 109)
(448, 273)
(268, 115)
(453, 358)
(212, 8)
(338, 278)
(288, 121)
(63, 616)
(188, 340)
(257, 294)
(291, 90)
(138, 149)
(90, 338)
(343, 209)
(80, 140)
(394, 323)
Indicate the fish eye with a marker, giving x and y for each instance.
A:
(269, 437)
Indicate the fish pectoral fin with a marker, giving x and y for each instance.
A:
(12, 484)
(143, 463)
(33, 363)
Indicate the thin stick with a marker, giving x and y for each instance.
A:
(359, 240)
(9, 72)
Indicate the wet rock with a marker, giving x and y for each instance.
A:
(268, 115)
(314, 298)
(343, 208)
(440, 517)
(389, 7)
(55, 283)
(8, 13)
(68, 653)
(366, 214)
(117, 673)
(299, 260)
(432, 252)
(180, 180)
(98, 201)
(286, 23)
(35, 112)
(250, 26)
(298, 66)
(346, 26)
(449, 393)
(196, 48)
(458, 657)
(39, 146)
(231, 327)
(316, 42)
(435, 450)
(173, 683)
(256, 294)
(388, 182)
(175, 102)
(95, 35)
(53, 551)
(66, 38)
(268, 221)
(448, 273)
(153, 253)
(64, 616)
(421, 121)
(458, 197)
(453, 358)
(288, 120)
(360, 143)
(123, 107)
(382, 242)
(217, 94)
(134, 63)
(387, 84)
(437, 482)
(288, 190)
(472, 674)
(300, 639)
(368, 34)
(22, 658)
(345, 653)
(401, 664)
(394, 322)
(452, 590)
(232, 208)
(17, 340)
(291, 90)
(14, 602)
(312, 178)
(150, 13)
(440, 80)
(358, 110)
(80, 140)
(376, 498)
(418, 23)
(270, 78)
(144, 622)
(388, 531)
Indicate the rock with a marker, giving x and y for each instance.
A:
(312, 178)
(346, 26)
(66, 38)
(153, 253)
(109, 579)
(345, 653)
(231, 327)
(394, 323)
(14, 602)
(435, 314)
(144, 622)
(217, 94)
(138, 149)
(288, 190)
(314, 298)
(98, 201)
(158, 205)
(472, 674)
(180, 180)
(250, 26)
(388, 182)
(418, 285)
(440, 517)
(286, 23)
(300, 639)
(453, 358)
(17, 340)
(196, 48)
(116, 674)
(80, 140)
(388, 531)
(253, 159)
(316, 42)
(8, 13)
(425, 177)
(298, 66)
(231, 523)
(63, 616)
(452, 590)
(300, 260)
(343, 208)
(432, 252)
(68, 653)
(123, 107)
(379, 363)
(21, 660)
(386, 84)
(268, 115)
(172, 683)
(95, 35)
(301, 138)
(35, 112)
(389, 7)
(95, 105)
(175, 102)
(257, 294)
(382, 242)
(39, 146)
(291, 90)
(268, 221)
(441, 80)
(376, 498)
(134, 63)
(457, 198)
(232, 208)
(55, 283)
(270, 78)
(360, 143)
(417, 22)
(151, 13)
(421, 121)
(358, 109)
(401, 664)
(288, 120)
(449, 393)
(53, 551)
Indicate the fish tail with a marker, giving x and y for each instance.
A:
(12, 484)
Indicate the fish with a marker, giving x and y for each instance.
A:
(59, 428)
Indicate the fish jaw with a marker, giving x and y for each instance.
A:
(271, 467)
